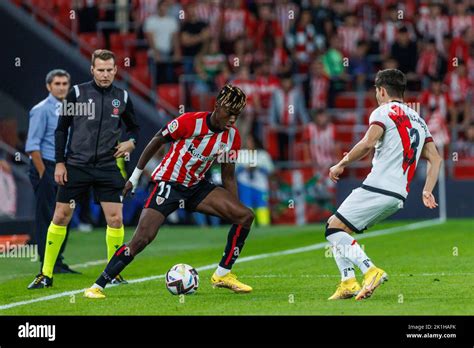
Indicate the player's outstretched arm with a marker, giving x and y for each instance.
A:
(153, 146)
(434, 163)
(359, 151)
(228, 178)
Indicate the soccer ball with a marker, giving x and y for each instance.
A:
(182, 279)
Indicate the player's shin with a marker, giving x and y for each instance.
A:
(235, 243)
(349, 248)
(54, 240)
(346, 268)
(117, 263)
(114, 239)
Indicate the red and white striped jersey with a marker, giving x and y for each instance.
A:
(195, 147)
(319, 91)
(459, 23)
(322, 144)
(349, 37)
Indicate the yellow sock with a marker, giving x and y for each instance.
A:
(54, 240)
(114, 239)
(263, 216)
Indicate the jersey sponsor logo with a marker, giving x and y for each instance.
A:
(194, 152)
(115, 103)
(173, 126)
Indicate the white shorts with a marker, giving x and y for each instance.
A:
(364, 208)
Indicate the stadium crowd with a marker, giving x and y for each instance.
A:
(317, 56)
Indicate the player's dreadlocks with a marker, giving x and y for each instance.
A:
(232, 98)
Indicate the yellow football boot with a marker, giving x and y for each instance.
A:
(95, 293)
(346, 289)
(230, 281)
(372, 280)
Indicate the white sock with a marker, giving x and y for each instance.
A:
(345, 266)
(95, 286)
(351, 250)
(221, 271)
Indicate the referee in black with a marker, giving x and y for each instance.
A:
(87, 145)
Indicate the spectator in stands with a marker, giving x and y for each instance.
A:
(194, 33)
(316, 86)
(404, 51)
(386, 30)
(287, 111)
(359, 65)
(433, 25)
(248, 86)
(161, 31)
(301, 41)
(430, 64)
(334, 66)
(243, 54)
(209, 65)
(235, 21)
(266, 83)
(268, 34)
(321, 137)
(87, 14)
(465, 146)
(459, 90)
(253, 180)
(210, 12)
(436, 99)
(350, 33)
(461, 20)
(320, 14)
(339, 10)
(141, 10)
(40, 145)
(459, 48)
(286, 12)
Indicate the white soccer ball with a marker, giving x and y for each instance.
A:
(182, 279)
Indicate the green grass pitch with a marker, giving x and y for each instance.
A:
(430, 270)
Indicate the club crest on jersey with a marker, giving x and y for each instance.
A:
(222, 148)
(159, 200)
(115, 103)
(173, 126)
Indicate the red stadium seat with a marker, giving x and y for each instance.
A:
(142, 74)
(120, 41)
(141, 58)
(344, 135)
(170, 93)
(94, 40)
(464, 169)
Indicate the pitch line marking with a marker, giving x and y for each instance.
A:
(317, 246)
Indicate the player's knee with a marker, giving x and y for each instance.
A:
(246, 217)
(115, 220)
(61, 217)
(331, 230)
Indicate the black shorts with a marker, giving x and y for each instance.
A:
(107, 182)
(166, 197)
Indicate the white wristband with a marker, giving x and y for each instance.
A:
(135, 177)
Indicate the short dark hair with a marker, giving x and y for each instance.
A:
(393, 80)
(57, 72)
(103, 55)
